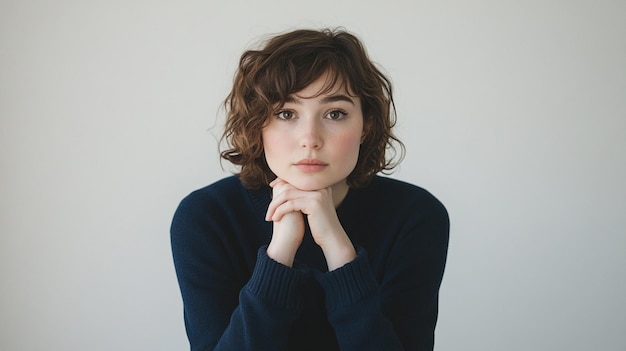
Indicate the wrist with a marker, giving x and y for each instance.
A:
(281, 251)
(286, 238)
(338, 252)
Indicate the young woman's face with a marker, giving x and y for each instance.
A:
(312, 142)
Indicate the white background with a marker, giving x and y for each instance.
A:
(513, 113)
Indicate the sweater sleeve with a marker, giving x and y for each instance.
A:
(409, 290)
(222, 312)
(400, 312)
(354, 310)
(268, 305)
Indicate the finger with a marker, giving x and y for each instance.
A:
(273, 182)
(270, 210)
(277, 181)
(278, 197)
(281, 195)
(285, 208)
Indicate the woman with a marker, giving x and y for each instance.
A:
(307, 248)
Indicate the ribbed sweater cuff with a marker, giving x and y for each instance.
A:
(348, 284)
(276, 283)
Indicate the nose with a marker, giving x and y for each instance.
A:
(311, 134)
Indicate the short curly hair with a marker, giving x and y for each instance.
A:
(286, 64)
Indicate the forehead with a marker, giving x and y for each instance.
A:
(325, 85)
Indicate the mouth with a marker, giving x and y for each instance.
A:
(310, 162)
(309, 165)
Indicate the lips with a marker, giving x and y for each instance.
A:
(310, 165)
(310, 162)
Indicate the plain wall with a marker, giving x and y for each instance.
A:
(513, 114)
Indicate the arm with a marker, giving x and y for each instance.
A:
(222, 310)
(410, 287)
(400, 313)
(354, 310)
(351, 292)
(268, 305)
(288, 205)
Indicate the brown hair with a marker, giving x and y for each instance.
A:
(286, 64)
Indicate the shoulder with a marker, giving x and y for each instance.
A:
(419, 214)
(226, 187)
(226, 198)
(401, 204)
(398, 193)
(216, 197)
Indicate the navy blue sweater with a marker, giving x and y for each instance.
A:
(237, 298)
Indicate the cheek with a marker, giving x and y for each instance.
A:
(350, 144)
(271, 140)
(274, 146)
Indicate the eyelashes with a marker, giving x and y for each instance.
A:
(285, 115)
(333, 115)
(336, 115)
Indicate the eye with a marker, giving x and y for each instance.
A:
(336, 115)
(285, 115)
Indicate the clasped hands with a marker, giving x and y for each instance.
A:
(287, 209)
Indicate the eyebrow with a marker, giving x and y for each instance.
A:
(325, 100)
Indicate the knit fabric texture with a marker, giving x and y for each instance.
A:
(235, 297)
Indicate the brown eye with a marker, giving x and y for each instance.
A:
(286, 115)
(335, 115)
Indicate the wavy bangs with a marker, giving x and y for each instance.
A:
(285, 65)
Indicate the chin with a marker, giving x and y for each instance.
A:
(309, 184)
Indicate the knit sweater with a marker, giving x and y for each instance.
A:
(235, 297)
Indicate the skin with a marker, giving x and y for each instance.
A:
(312, 144)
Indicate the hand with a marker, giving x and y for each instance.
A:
(322, 218)
(288, 229)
